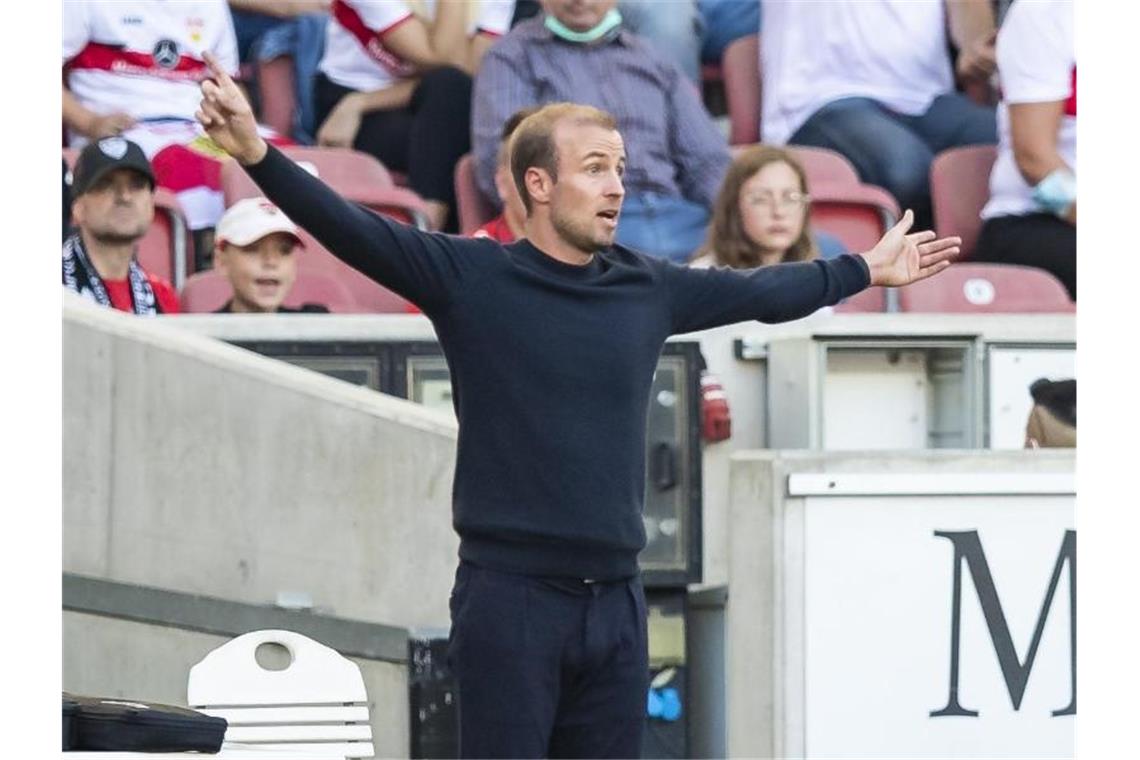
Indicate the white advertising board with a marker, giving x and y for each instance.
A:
(882, 619)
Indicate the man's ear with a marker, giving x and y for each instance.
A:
(77, 216)
(539, 185)
(221, 258)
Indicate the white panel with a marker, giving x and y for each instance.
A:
(230, 675)
(277, 715)
(280, 752)
(1012, 371)
(870, 402)
(878, 593)
(321, 732)
(959, 483)
(331, 749)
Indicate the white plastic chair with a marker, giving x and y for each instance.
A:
(317, 703)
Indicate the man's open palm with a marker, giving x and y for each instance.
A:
(900, 258)
(227, 116)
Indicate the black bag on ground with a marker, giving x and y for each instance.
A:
(104, 724)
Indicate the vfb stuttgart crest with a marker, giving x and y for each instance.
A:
(166, 53)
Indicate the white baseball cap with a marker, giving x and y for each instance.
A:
(251, 219)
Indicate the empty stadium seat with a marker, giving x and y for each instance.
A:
(857, 214)
(986, 288)
(208, 291)
(357, 176)
(959, 188)
(825, 165)
(163, 250)
(871, 300)
(472, 208)
(740, 68)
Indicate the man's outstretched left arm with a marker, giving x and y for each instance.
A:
(704, 298)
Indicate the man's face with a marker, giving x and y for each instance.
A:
(260, 273)
(585, 201)
(579, 15)
(117, 209)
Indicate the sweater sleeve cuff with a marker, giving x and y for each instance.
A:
(269, 164)
(853, 273)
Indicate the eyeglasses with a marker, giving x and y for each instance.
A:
(786, 200)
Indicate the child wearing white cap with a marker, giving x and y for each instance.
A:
(255, 247)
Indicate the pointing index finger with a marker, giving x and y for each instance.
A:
(216, 69)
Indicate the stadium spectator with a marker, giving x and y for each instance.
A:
(132, 69)
(675, 35)
(285, 39)
(1031, 216)
(1052, 420)
(66, 200)
(692, 31)
(761, 215)
(873, 81)
(113, 205)
(397, 86)
(256, 247)
(507, 227)
(725, 21)
(579, 52)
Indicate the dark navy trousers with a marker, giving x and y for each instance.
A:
(548, 667)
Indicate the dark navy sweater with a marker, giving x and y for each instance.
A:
(551, 367)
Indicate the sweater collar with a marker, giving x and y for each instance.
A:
(550, 264)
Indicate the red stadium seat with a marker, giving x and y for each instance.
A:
(857, 214)
(357, 176)
(740, 67)
(824, 165)
(871, 300)
(987, 288)
(959, 188)
(208, 291)
(369, 295)
(163, 249)
(473, 209)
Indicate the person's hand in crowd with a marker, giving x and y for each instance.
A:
(340, 128)
(109, 125)
(227, 117)
(900, 258)
(977, 61)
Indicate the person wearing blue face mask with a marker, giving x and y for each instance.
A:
(580, 51)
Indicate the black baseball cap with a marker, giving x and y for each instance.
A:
(108, 154)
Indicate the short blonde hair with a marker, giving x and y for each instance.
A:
(532, 143)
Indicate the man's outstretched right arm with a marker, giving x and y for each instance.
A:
(422, 267)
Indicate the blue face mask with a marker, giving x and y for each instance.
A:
(608, 26)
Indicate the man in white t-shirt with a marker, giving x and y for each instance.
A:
(1031, 216)
(132, 69)
(395, 83)
(874, 81)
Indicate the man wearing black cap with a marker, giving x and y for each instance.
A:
(112, 206)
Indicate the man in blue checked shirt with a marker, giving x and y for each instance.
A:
(577, 50)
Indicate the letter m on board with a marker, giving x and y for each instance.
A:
(968, 552)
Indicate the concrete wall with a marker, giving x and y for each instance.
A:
(194, 466)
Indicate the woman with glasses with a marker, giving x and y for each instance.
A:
(761, 215)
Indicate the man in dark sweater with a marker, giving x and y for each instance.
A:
(548, 638)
